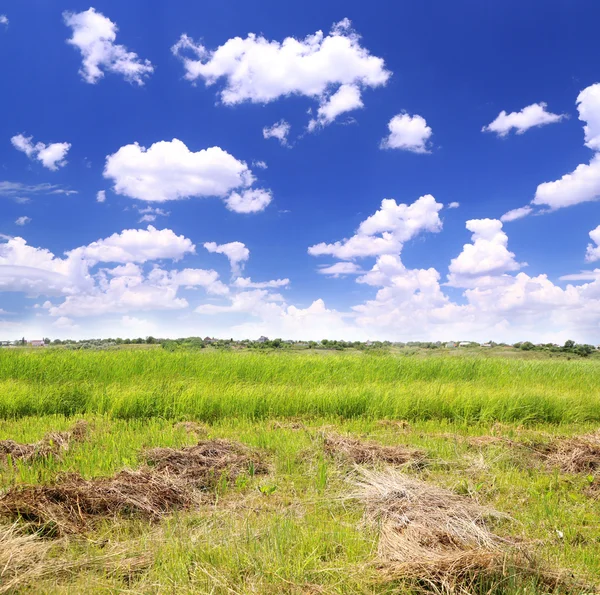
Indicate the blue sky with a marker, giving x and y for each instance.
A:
(166, 110)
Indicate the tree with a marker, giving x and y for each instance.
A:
(569, 344)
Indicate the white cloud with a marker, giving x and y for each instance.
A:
(345, 99)
(23, 220)
(593, 252)
(101, 195)
(94, 35)
(529, 117)
(279, 130)
(385, 231)
(170, 171)
(340, 269)
(453, 205)
(260, 164)
(51, 156)
(136, 245)
(588, 104)
(4, 20)
(236, 253)
(258, 70)
(486, 259)
(149, 214)
(409, 133)
(583, 183)
(16, 190)
(249, 201)
(247, 283)
(515, 214)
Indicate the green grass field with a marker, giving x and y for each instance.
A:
(296, 529)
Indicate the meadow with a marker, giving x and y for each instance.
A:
(518, 436)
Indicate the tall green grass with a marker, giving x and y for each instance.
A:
(212, 385)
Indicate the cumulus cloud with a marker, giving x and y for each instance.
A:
(101, 196)
(279, 130)
(453, 205)
(408, 133)
(486, 259)
(515, 214)
(385, 231)
(23, 220)
(588, 104)
(347, 98)
(258, 70)
(137, 245)
(121, 289)
(532, 116)
(260, 164)
(583, 183)
(94, 36)
(168, 170)
(593, 250)
(236, 252)
(249, 201)
(51, 156)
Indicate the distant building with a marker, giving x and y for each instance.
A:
(208, 340)
(464, 344)
(36, 343)
(262, 339)
(5, 343)
(486, 345)
(450, 345)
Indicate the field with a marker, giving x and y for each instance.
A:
(297, 443)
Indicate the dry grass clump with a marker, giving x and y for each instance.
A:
(22, 558)
(53, 443)
(444, 542)
(205, 463)
(361, 452)
(26, 558)
(72, 504)
(192, 427)
(429, 532)
(580, 454)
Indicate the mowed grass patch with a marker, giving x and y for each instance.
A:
(295, 530)
(209, 386)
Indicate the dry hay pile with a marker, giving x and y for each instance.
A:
(427, 532)
(205, 463)
(444, 542)
(53, 443)
(361, 452)
(580, 454)
(72, 504)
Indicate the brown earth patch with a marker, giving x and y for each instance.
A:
(52, 444)
(361, 452)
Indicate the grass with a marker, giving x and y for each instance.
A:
(295, 530)
(210, 386)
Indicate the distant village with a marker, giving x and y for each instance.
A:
(263, 342)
